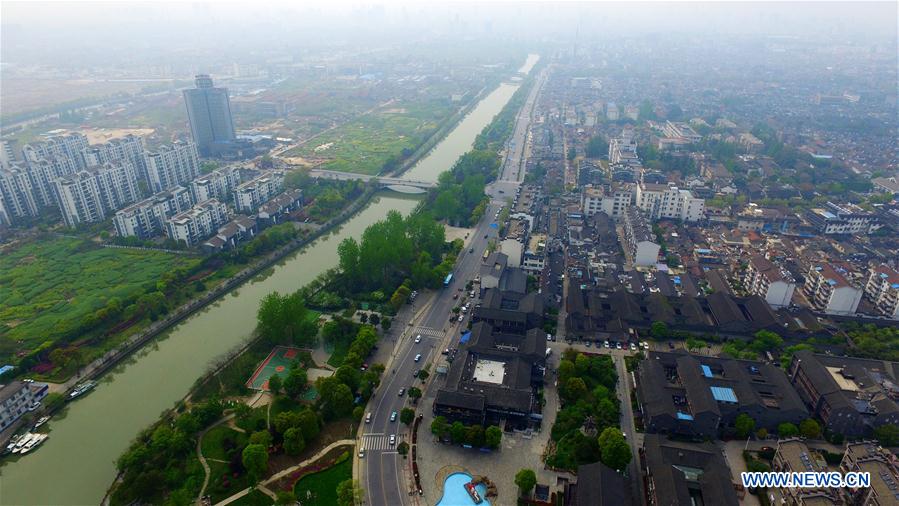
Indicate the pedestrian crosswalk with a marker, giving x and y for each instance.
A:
(428, 331)
(373, 442)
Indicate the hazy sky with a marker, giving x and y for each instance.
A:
(37, 31)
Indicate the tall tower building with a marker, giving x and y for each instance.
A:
(209, 112)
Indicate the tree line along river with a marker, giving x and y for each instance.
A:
(77, 463)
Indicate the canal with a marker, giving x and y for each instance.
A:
(77, 463)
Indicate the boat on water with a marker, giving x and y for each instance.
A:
(12, 443)
(81, 389)
(41, 421)
(473, 493)
(34, 443)
(24, 440)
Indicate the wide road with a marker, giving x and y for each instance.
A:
(386, 477)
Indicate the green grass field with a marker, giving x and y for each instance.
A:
(363, 145)
(48, 286)
(322, 486)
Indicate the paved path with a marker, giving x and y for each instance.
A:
(627, 426)
(277, 476)
(202, 458)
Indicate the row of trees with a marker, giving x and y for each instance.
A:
(587, 391)
(284, 319)
(460, 434)
(390, 251)
(156, 465)
(459, 197)
(337, 393)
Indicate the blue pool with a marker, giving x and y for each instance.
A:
(454, 493)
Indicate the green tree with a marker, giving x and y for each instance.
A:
(615, 452)
(457, 432)
(659, 330)
(525, 479)
(786, 430)
(285, 498)
(309, 422)
(810, 429)
(744, 424)
(295, 383)
(275, 384)
(407, 415)
(285, 319)
(414, 393)
(255, 461)
(403, 448)
(494, 436)
(293, 441)
(358, 411)
(261, 437)
(439, 426)
(286, 420)
(349, 376)
(887, 434)
(349, 493)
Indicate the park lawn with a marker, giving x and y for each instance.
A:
(223, 484)
(213, 442)
(48, 286)
(322, 486)
(363, 146)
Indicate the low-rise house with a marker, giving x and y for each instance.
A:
(794, 456)
(699, 395)
(882, 289)
(828, 289)
(598, 485)
(275, 209)
(510, 312)
(842, 219)
(18, 398)
(881, 466)
(241, 228)
(768, 281)
(851, 396)
(679, 473)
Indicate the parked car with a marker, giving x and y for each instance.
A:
(361, 452)
(605, 343)
(418, 338)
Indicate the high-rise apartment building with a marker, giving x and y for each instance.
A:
(172, 165)
(197, 223)
(129, 148)
(44, 171)
(88, 196)
(147, 218)
(66, 146)
(250, 195)
(218, 184)
(209, 112)
(17, 194)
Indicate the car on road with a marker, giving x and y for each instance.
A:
(361, 452)
(418, 338)
(471, 250)
(368, 418)
(455, 296)
(670, 345)
(633, 347)
(445, 352)
(644, 345)
(588, 344)
(485, 236)
(501, 191)
(393, 416)
(617, 346)
(461, 317)
(392, 439)
(416, 372)
(418, 357)
(402, 392)
(605, 344)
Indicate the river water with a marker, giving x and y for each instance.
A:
(77, 463)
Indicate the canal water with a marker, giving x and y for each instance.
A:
(77, 463)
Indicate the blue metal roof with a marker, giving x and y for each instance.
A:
(465, 337)
(706, 371)
(724, 394)
(684, 416)
(6, 368)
